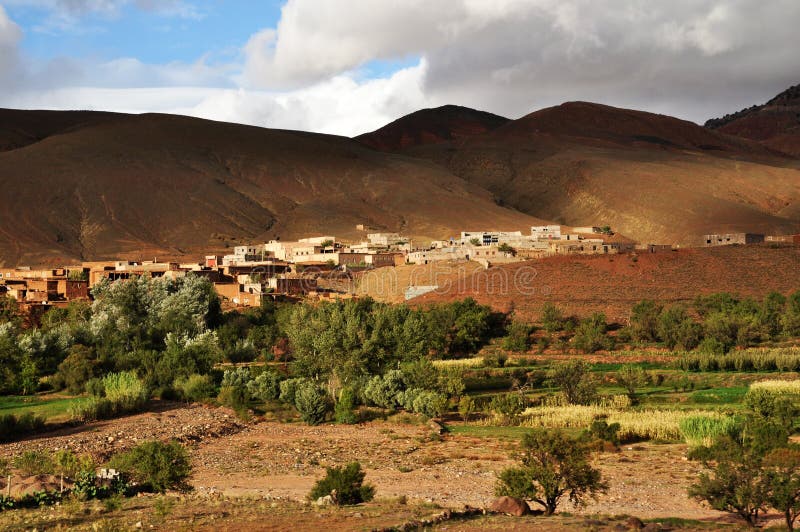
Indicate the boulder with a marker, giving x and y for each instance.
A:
(327, 500)
(634, 523)
(510, 506)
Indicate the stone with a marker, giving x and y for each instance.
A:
(510, 506)
(634, 523)
(327, 500)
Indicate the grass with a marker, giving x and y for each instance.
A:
(719, 396)
(53, 407)
(778, 387)
(488, 432)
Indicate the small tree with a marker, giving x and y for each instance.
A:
(505, 248)
(631, 377)
(518, 337)
(733, 486)
(553, 465)
(575, 382)
(475, 242)
(466, 406)
(344, 484)
(590, 335)
(344, 411)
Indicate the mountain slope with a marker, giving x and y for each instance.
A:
(431, 126)
(651, 177)
(156, 184)
(775, 124)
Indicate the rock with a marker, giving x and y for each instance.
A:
(634, 523)
(652, 527)
(138, 524)
(327, 500)
(509, 506)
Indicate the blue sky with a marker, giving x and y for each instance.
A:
(350, 66)
(217, 28)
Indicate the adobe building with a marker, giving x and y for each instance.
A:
(728, 239)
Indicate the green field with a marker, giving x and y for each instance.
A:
(53, 407)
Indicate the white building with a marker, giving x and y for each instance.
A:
(546, 232)
(487, 238)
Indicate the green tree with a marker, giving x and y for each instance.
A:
(644, 321)
(77, 369)
(590, 335)
(311, 402)
(631, 378)
(518, 337)
(575, 382)
(677, 329)
(553, 465)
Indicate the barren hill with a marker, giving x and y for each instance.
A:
(775, 124)
(614, 283)
(86, 186)
(431, 126)
(652, 177)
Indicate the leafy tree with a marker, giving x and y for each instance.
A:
(631, 377)
(77, 369)
(518, 337)
(475, 241)
(505, 248)
(676, 329)
(575, 382)
(733, 486)
(383, 390)
(590, 335)
(790, 321)
(770, 313)
(156, 465)
(344, 484)
(9, 310)
(644, 321)
(553, 465)
(265, 387)
(466, 406)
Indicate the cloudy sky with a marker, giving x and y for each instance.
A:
(349, 66)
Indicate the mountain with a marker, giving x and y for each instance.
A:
(431, 126)
(775, 124)
(651, 177)
(102, 185)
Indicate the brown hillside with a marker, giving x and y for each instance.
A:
(652, 177)
(22, 128)
(775, 124)
(613, 284)
(171, 185)
(431, 126)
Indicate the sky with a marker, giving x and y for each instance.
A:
(350, 66)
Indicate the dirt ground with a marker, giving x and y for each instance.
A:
(272, 461)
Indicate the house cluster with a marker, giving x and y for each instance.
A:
(542, 241)
(727, 239)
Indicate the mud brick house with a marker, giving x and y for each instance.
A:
(728, 239)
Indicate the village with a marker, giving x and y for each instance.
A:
(299, 269)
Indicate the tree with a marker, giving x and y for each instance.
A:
(783, 482)
(77, 369)
(311, 402)
(505, 248)
(790, 321)
(575, 382)
(9, 310)
(553, 465)
(466, 406)
(590, 335)
(631, 377)
(475, 241)
(676, 329)
(518, 337)
(644, 321)
(733, 486)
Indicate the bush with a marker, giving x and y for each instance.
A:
(78, 368)
(508, 405)
(288, 389)
(265, 387)
(311, 402)
(155, 465)
(32, 463)
(344, 412)
(552, 318)
(601, 430)
(12, 426)
(344, 484)
(195, 388)
(466, 406)
(429, 404)
(383, 390)
(91, 409)
(125, 392)
(237, 377)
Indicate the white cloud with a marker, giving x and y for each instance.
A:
(690, 58)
